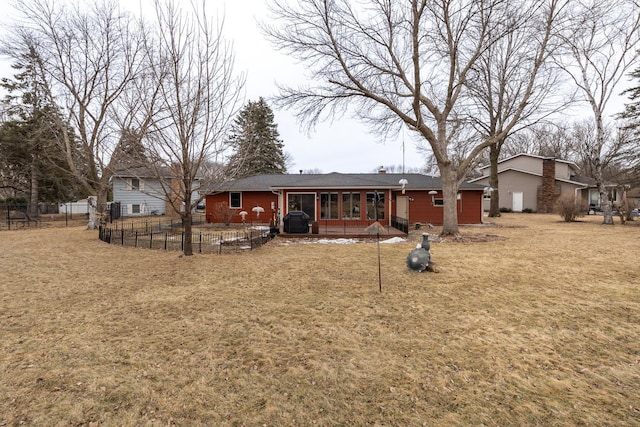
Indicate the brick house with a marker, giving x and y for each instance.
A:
(341, 199)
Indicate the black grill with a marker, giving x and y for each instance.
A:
(296, 222)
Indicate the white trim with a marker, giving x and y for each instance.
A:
(230, 204)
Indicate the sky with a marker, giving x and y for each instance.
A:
(344, 145)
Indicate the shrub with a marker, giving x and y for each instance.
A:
(527, 210)
(568, 208)
(505, 209)
(223, 212)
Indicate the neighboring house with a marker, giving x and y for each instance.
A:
(341, 199)
(140, 192)
(529, 182)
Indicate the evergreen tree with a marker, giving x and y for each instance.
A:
(255, 140)
(32, 163)
(632, 109)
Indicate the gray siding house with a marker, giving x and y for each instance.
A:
(139, 196)
(529, 182)
(140, 193)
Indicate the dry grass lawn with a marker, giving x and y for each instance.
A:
(540, 325)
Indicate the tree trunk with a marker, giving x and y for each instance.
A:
(605, 203)
(494, 207)
(187, 224)
(449, 193)
(33, 196)
(98, 208)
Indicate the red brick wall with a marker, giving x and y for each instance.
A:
(547, 194)
(249, 201)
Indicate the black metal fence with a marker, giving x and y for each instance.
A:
(16, 215)
(400, 223)
(169, 235)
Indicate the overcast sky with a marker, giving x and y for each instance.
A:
(342, 146)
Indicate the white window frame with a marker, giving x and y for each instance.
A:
(130, 186)
(230, 200)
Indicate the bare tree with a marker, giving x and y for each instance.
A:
(500, 82)
(392, 63)
(546, 139)
(602, 45)
(189, 98)
(89, 56)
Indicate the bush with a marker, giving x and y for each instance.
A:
(222, 211)
(568, 208)
(527, 210)
(504, 209)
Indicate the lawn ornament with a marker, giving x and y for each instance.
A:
(257, 210)
(426, 245)
(418, 259)
(377, 228)
(243, 214)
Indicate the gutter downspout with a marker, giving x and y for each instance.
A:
(279, 209)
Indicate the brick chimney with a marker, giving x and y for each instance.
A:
(547, 192)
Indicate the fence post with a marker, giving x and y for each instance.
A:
(151, 240)
(135, 243)
(200, 250)
(122, 236)
(182, 241)
(165, 240)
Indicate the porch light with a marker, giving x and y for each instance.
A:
(404, 183)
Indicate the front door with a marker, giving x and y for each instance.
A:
(517, 201)
(402, 207)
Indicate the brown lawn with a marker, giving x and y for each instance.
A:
(531, 321)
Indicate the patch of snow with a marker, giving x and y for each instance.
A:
(333, 241)
(394, 240)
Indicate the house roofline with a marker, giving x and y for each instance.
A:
(568, 162)
(568, 181)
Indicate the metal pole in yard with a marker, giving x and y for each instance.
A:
(182, 241)
(165, 240)
(151, 240)
(135, 242)
(200, 249)
(122, 236)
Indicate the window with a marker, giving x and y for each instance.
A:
(438, 202)
(350, 205)
(375, 206)
(235, 200)
(135, 209)
(305, 202)
(329, 206)
(134, 184)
